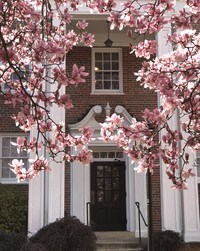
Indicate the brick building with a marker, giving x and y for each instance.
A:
(105, 192)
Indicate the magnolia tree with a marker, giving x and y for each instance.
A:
(34, 42)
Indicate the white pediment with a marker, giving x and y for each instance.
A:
(90, 121)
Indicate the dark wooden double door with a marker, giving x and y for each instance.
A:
(108, 196)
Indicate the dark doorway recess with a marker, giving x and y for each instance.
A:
(108, 196)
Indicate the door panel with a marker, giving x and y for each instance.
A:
(108, 196)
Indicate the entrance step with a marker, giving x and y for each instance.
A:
(117, 241)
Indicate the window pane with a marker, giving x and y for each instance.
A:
(115, 66)
(100, 171)
(5, 173)
(5, 151)
(106, 65)
(25, 163)
(100, 196)
(23, 154)
(107, 85)
(107, 196)
(107, 75)
(115, 85)
(98, 56)
(106, 56)
(98, 66)
(115, 172)
(98, 85)
(14, 152)
(100, 183)
(119, 155)
(12, 175)
(95, 154)
(111, 154)
(6, 142)
(115, 75)
(107, 183)
(107, 171)
(115, 183)
(98, 75)
(115, 56)
(5, 162)
(116, 197)
(103, 154)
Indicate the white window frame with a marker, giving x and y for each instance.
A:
(107, 91)
(9, 180)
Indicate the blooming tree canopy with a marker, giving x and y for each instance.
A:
(34, 42)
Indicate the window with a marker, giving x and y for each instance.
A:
(8, 152)
(24, 76)
(107, 70)
(107, 153)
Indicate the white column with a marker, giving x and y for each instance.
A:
(36, 200)
(55, 189)
(141, 197)
(191, 227)
(80, 190)
(170, 199)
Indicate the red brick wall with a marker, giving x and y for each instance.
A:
(135, 99)
(6, 123)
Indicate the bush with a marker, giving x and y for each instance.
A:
(167, 241)
(30, 246)
(66, 234)
(13, 210)
(11, 241)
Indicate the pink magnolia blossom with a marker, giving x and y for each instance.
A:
(40, 39)
(145, 49)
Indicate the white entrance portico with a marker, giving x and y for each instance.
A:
(135, 184)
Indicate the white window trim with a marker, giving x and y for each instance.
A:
(9, 180)
(107, 92)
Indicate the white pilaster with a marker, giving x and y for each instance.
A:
(36, 204)
(191, 221)
(170, 199)
(80, 190)
(36, 200)
(140, 192)
(191, 229)
(56, 178)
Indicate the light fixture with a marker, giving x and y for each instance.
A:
(108, 42)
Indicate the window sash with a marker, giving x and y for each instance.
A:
(106, 70)
(7, 154)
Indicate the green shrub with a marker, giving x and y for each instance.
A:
(11, 241)
(30, 246)
(66, 234)
(167, 241)
(13, 210)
